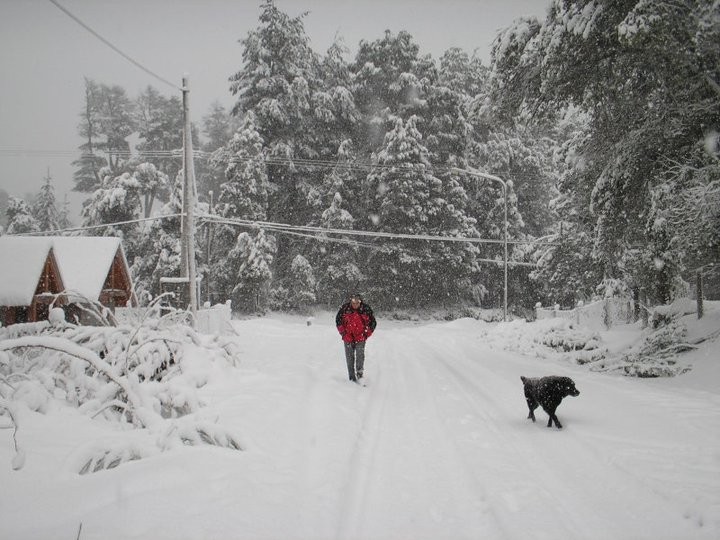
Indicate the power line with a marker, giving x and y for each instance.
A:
(113, 47)
(355, 165)
(302, 231)
(55, 232)
(355, 232)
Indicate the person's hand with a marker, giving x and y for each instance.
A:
(368, 332)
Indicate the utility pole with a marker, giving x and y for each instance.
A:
(187, 233)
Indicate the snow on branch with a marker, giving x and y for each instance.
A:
(141, 376)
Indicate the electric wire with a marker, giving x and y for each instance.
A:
(113, 47)
(301, 231)
(352, 165)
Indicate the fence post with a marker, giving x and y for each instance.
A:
(699, 294)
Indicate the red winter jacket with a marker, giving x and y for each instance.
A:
(355, 325)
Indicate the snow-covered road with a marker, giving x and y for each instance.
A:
(437, 446)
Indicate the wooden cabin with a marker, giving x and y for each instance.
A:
(88, 270)
(30, 279)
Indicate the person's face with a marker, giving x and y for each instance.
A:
(355, 303)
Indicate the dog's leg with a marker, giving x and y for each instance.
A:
(553, 418)
(531, 406)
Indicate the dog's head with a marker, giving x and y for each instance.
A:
(568, 386)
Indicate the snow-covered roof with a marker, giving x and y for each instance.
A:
(21, 263)
(84, 263)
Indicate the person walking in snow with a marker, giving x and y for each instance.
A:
(355, 323)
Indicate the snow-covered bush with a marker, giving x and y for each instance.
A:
(145, 377)
(657, 354)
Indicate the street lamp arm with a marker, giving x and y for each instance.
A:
(486, 176)
(479, 174)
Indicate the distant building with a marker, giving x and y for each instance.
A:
(84, 269)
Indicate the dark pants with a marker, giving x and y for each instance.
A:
(355, 357)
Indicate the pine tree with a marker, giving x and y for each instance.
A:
(566, 269)
(276, 83)
(389, 77)
(335, 115)
(218, 128)
(45, 210)
(300, 285)
(336, 257)
(244, 195)
(407, 198)
(64, 215)
(251, 263)
(107, 122)
(159, 122)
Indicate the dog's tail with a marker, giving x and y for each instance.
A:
(523, 379)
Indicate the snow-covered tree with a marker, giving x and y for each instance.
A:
(277, 82)
(335, 114)
(251, 261)
(566, 269)
(153, 184)
(334, 258)
(158, 246)
(389, 78)
(405, 197)
(64, 221)
(116, 202)
(159, 122)
(337, 257)
(20, 218)
(651, 97)
(244, 195)
(297, 292)
(45, 209)
(218, 127)
(107, 120)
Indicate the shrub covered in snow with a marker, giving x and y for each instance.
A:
(141, 376)
(655, 351)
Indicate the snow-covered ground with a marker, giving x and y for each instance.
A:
(437, 446)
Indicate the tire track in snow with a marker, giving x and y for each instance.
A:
(409, 481)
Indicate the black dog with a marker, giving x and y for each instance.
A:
(548, 392)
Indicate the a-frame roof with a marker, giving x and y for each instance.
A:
(85, 261)
(22, 259)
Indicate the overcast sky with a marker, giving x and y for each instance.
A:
(45, 55)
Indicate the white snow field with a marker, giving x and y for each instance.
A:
(437, 446)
